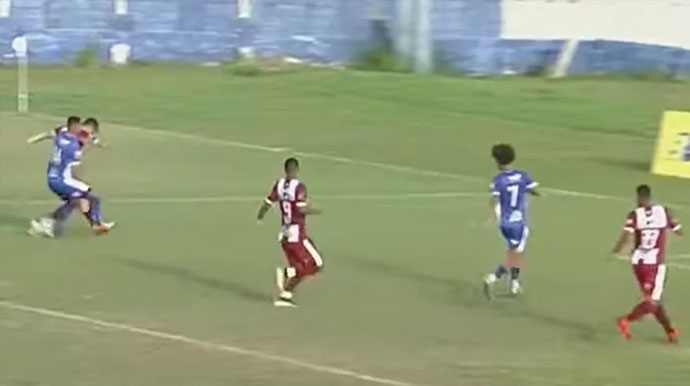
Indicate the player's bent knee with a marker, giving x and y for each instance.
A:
(93, 199)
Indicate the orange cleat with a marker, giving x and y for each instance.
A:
(672, 336)
(103, 228)
(624, 328)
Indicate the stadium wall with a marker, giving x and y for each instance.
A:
(472, 36)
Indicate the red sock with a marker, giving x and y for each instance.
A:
(641, 310)
(663, 318)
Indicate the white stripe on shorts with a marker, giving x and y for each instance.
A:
(523, 243)
(659, 282)
(76, 184)
(313, 252)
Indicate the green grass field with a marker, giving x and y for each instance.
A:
(399, 299)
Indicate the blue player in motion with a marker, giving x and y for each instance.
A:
(67, 152)
(509, 190)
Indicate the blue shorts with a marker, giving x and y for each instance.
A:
(515, 234)
(66, 189)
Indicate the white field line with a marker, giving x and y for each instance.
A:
(201, 343)
(339, 159)
(221, 199)
(682, 257)
(183, 136)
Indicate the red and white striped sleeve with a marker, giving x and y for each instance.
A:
(672, 223)
(272, 197)
(630, 222)
(301, 195)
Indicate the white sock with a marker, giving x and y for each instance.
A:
(514, 285)
(491, 278)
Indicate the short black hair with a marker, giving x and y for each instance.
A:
(504, 154)
(290, 162)
(73, 120)
(644, 191)
(93, 122)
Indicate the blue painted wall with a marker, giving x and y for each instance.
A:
(465, 34)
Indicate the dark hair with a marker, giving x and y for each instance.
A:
(93, 122)
(290, 162)
(504, 154)
(73, 120)
(644, 191)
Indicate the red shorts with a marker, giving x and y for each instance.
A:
(652, 279)
(303, 256)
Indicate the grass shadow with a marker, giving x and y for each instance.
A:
(626, 164)
(238, 290)
(459, 290)
(584, 331)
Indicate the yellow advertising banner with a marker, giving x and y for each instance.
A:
(672, 155)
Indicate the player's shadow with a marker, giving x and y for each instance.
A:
(186, 274)
(459, 290)
(584, 331)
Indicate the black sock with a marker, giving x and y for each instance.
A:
(515, 273)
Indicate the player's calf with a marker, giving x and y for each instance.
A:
(92, 211)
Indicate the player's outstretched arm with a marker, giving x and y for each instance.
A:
(494, 211)
(674, 225)
(40, 137)
(621, 242)
(534, 192)
(263, 209)
(309, 210)
(677, 228)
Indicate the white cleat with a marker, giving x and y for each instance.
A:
(103, 228)
(488, 286)
(42, 228)
(284, 303)
(515, 288)
(48, 225)
(285, 300)
(35, 229)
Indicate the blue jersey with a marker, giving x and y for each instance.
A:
(66, 154)
(510, 187)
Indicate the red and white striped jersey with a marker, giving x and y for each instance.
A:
(292, 196)
(650, 226)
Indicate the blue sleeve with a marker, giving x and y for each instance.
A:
(494, 188)
(529, 182)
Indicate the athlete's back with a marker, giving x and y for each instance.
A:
(66, 154)
(511, 188)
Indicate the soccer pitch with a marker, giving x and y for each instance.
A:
(180, 292)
